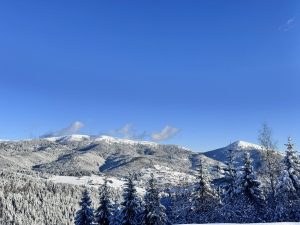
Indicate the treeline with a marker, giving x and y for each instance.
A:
(132, 210)
(238, 196)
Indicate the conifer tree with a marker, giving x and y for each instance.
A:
(204, 198)
(154, 213)
(248, 198)
(103, 213)
(229, 188)
(131, 204)
(288, 187)
(85, 215)
(230, 177)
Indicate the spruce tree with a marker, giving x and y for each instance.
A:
(287, 191)
(103, 213)
(248, 203)
(85, 215)
(230, 177)
(204, 198)
(229, 188)
(154, 213)
(131, 204)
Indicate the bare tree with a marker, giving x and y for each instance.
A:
(271, 161)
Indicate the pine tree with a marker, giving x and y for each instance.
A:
(219, 172)
(131, 204)
(204, 198)
(115, 217)
(103, 213)
(229, 188)
(287, 191)
(230, 177)
(85, 215)
(154, 213)
(248, 203)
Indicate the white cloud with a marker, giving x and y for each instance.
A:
(73, 128)
(166, 133)
(288, 25)
(128, 131)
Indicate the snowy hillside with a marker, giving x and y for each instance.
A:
(278, 223)
(83, 155)
(240, 147)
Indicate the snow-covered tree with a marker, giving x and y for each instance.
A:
(270, 168)
(219, 170)
(103, 213)
(85, 215)
(248, 199)
(229, 183)
(154, 213)
(115, 217)
(131, 210)
(204, 198)
(270, 164)
(287, 191)
(229, 188)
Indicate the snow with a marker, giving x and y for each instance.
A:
(243, 145)
(92, 181)
(278, 223)
(69, 138)
(110, 139)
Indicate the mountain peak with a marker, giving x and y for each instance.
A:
(244, 145)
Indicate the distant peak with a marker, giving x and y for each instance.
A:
(243, 145)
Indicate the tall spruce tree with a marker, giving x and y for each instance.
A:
(154, 213)
(248, 200)
(229, 185)
(103, 213)
(287, 191)
(204, 198)
(229, 188)
(85, 215)
(131, 204)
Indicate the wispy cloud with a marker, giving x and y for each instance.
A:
(73, 128)
(166, 133)
(128, 131)
(288, 25)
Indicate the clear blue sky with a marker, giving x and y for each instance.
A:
(213, 69)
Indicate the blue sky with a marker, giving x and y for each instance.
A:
(194, 73)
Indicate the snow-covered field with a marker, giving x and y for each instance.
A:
(279, 223)
(91, 181)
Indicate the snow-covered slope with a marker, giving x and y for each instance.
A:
(110, 139)
(239, 148)
(69, 138)
(278, 223)
(83, 155)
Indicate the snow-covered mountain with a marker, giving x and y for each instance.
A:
(239, 148)
(83, 155)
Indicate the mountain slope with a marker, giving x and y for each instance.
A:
(239, 149)
(78, 155)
